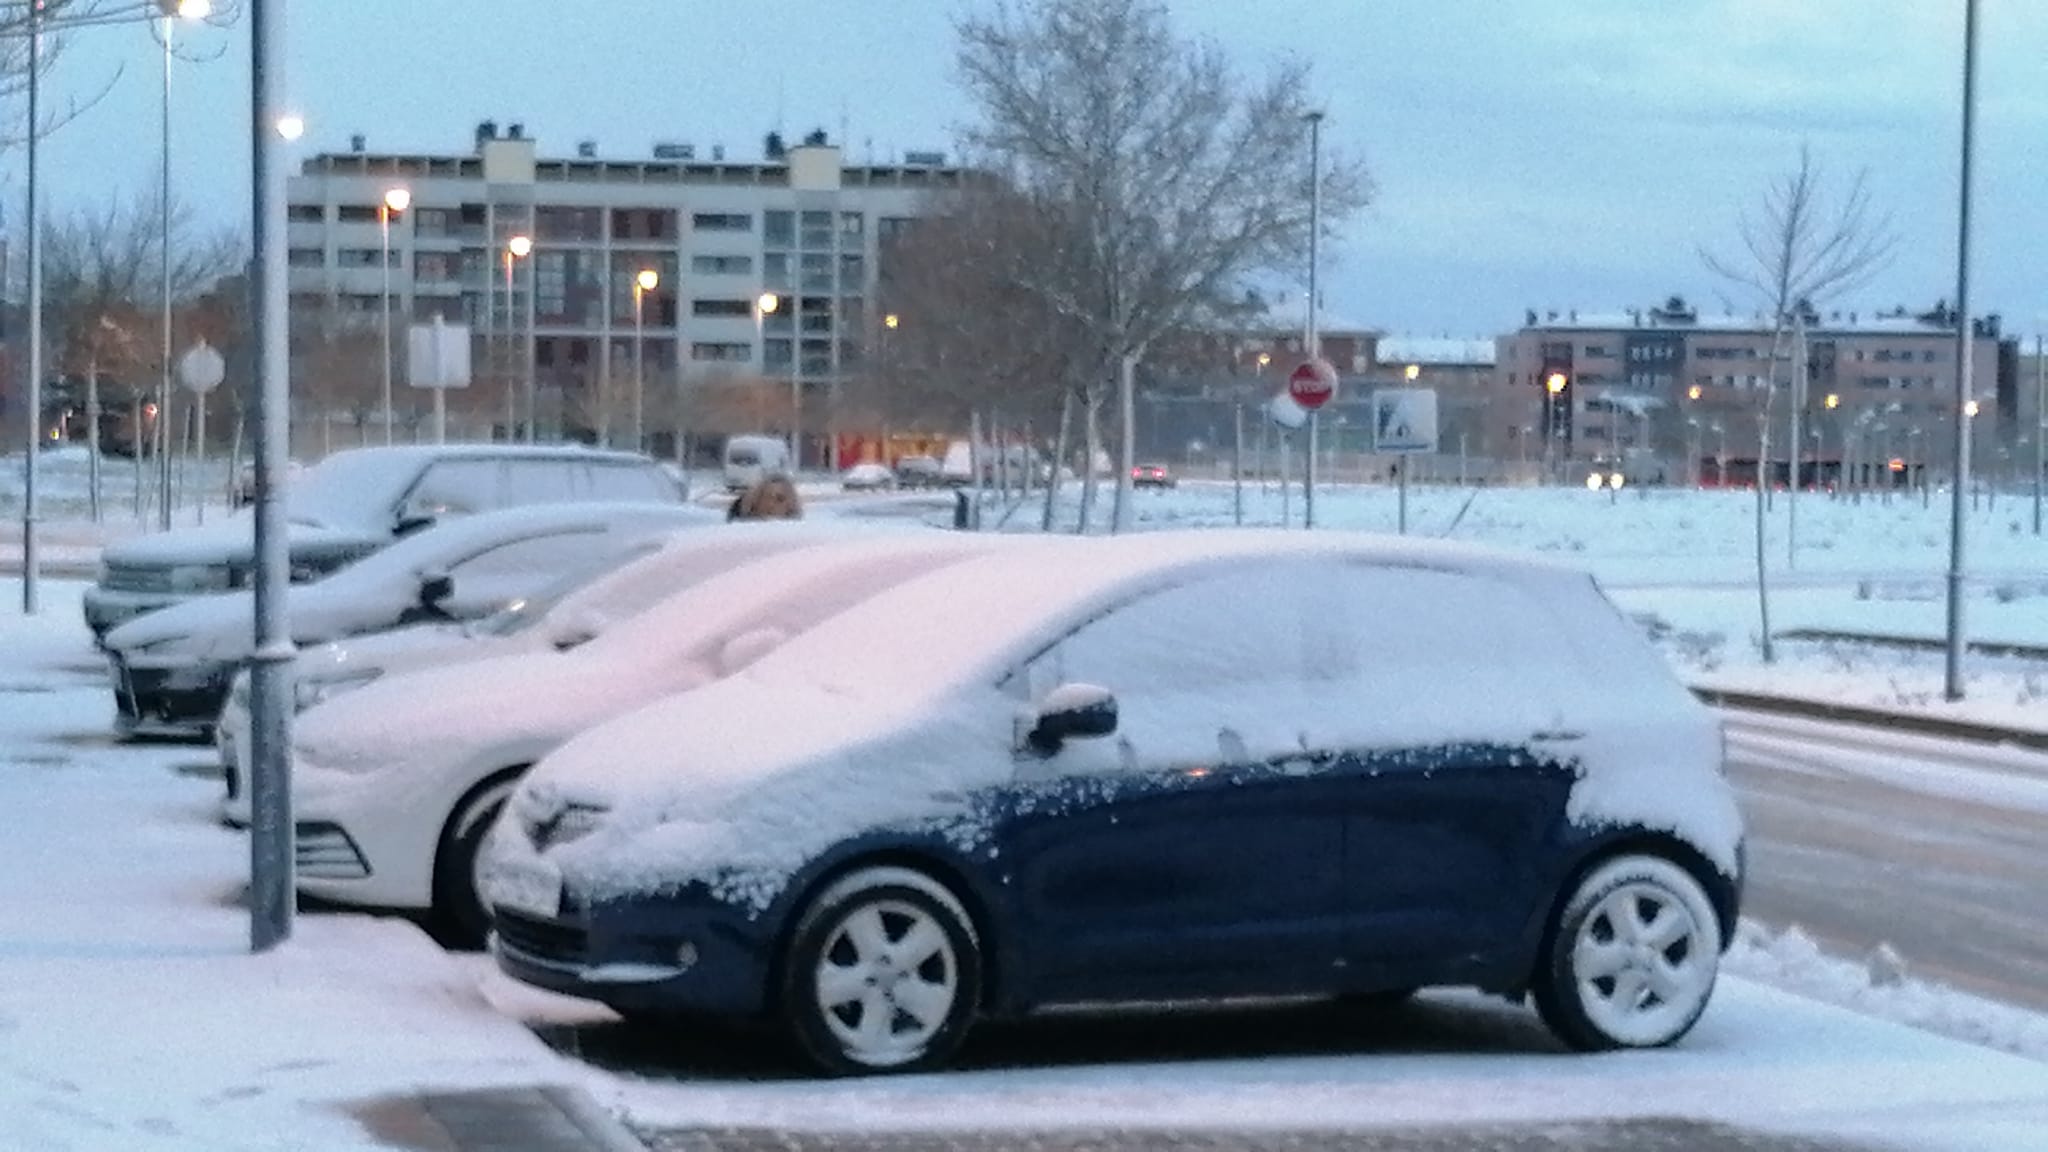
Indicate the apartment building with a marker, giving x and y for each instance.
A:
(763, 274)
(1667, 386)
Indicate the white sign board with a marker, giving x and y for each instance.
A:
(1285, 413)
(1404, 420)
(201, 369)
(438, 355)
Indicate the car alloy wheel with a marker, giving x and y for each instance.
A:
(883, 973)
(1632, 959)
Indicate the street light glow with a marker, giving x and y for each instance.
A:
(1555, 383)
(1834, 400)
(768, 302)
(397, 200)
(195, 9)
(291, 126)
(890, 321)
(1412, 371)
(648, 280)
(520, 246)
(1693, 393)
(1970, 409)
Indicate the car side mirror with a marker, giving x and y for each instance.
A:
(1073, 712)
(434, 588)
(576, 631)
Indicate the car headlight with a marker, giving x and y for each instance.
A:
(308, 692)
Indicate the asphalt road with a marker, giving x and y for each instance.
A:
(1843, 847)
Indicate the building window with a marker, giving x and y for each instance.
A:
(356, 213)
(1928, 356)
(433, 221)
(555, 222)
(775, 270)
(434, 265)
(721, 265)
(722, 308)
(643, 224)
(306, 257)
(777, 353)
(817, 272)
(853, 270)
(817, 229)
(1593, 351)
(887, 227)
(778, 229)
(306, 214)
(851, 224)
(361, 257)
(722, 222)
(720, 352)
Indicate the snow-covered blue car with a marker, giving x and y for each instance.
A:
(1161, 767)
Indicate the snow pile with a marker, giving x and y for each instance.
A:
(1882, 986)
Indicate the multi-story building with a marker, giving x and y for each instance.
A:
(1678, 393)
(762, 276)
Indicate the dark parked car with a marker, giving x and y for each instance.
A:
(1172, 766)
(920, 472)
(1152, 476)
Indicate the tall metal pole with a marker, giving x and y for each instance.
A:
(30, 560)
(511, 405)
(1797, 444)
(163, 208)
(532, 387)
(384, 227)
(1953, 677)
(639, 365)
(2040, 425)
(1312, 341)
(1237, 469)
(271, 886)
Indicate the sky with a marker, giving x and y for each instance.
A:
(1527, 153)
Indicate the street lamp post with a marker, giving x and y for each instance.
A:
(396, 201)
(173, 11)
(647, 281)
(764, 304)
(2040, 425)
(517, 248)
(29, 557)
(1952, 680)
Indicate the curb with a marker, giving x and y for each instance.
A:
(1915, 643)
(604, 1131)
(1940, 726)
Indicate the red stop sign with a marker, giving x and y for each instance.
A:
(1312, 384)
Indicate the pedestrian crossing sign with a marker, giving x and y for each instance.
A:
(1404, 420)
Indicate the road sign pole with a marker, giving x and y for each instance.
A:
(1401, 521)
(1308, 480)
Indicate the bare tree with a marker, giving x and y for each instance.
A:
(101, 288)
(1799, 248)
(1164, 169)
(59, 19)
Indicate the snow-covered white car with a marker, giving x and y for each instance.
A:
(171, 668)
(1178, 766)
(574, 611)
(396, 783)
(867, 477)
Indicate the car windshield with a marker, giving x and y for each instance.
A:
(350, 490)
(746, 458)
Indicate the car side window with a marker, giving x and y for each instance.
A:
(1210, 670)
(628, 482)
(539, 482)
(455, 487)
(495, 576)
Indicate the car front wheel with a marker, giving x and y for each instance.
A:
(1632, 957)
(883, 974)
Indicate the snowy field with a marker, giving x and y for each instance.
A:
(130, 1016)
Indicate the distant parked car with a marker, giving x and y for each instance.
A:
(1175, 766)
(355, 502)
(920, 472)
(752, 459)
(1152, 476)
(171, 669)
(398, 782)
(867, 477)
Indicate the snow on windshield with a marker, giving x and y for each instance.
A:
(357, 489)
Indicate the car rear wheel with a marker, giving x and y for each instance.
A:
(883, 974)
(1631, 959)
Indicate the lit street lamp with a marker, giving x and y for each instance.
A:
(518, 248)
(647, 281)
(173, 11)
(396, 201)
(764, 305)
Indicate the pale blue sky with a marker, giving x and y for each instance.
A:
(1529, 153)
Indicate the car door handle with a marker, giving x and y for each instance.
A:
(1556, 736)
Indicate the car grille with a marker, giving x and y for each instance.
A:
(124, 578)
(324, 852)
(546, 940)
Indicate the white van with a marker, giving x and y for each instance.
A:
(752, 459)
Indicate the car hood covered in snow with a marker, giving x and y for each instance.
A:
(232, 541)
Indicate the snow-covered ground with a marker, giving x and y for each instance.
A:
(131, 1016)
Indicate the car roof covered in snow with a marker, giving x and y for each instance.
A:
(982, 614)
(361, 485)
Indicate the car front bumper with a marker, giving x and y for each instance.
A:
(647, 958)
(168, 698)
